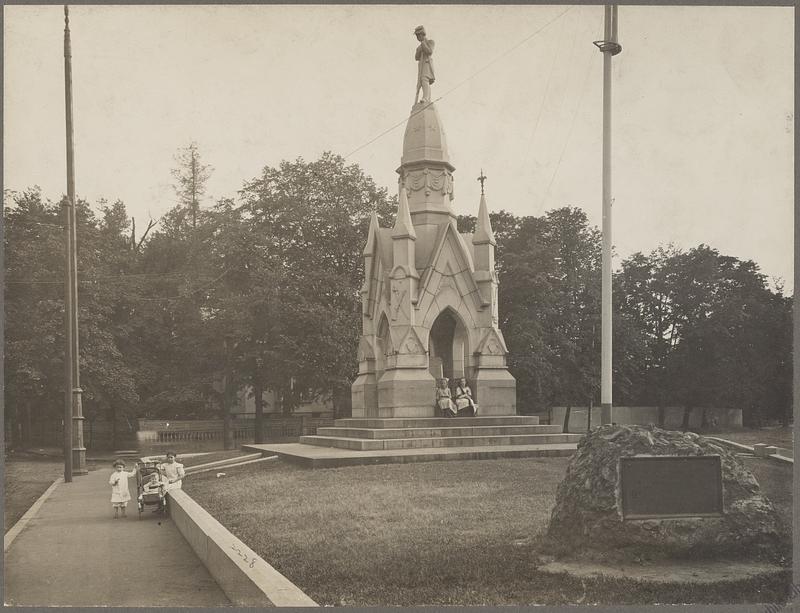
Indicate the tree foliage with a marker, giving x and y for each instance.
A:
(191, 176)
(34, 303)
(715, 334)
(262, 292)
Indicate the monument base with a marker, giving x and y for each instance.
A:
(364, 394)
(406, 392)
(496, 392)
(679, 572)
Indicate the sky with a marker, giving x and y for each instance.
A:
(703, 99)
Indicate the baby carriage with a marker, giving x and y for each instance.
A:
(150, 487)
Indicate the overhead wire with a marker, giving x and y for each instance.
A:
(572, 125)
(357, 149)
(544, 97)
(180, 296)
(467, 79)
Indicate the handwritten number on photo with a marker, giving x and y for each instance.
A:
(244, 556)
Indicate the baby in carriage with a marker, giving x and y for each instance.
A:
(154, 484)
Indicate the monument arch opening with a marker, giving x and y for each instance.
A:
(382, 343)
(449, 346)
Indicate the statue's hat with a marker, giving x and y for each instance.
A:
(419, 30)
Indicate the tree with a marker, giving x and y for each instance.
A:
(549, 305)
(292, 298)
(34, 300)
(191, 176)
(713, 330)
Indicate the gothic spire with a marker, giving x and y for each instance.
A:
(371, 234)
(483, 226)
(403, 226)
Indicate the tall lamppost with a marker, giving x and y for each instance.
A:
(74, 451)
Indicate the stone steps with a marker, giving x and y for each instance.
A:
(313, 456)
(362, 444)
(436, 422)
(369, 440)
(434, 432)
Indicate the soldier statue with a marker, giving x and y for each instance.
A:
(425, 76)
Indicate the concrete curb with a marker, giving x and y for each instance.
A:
(246, 579)
(735, 445)
(9, 537)
(197, 470)
(223, 463)
(750, 449)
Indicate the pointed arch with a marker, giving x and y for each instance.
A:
(449, 345)
(383, 344)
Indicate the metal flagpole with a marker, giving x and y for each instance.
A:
(75, 453)
(609, 47)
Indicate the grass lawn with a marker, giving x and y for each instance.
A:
(436, 533)
(776, 483)
(25, 480)
(26, 477)
(780, 437)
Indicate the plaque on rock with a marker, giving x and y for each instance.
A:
(654, 487)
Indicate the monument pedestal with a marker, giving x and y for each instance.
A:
(406, 392)
(496, 392)
(364, 393)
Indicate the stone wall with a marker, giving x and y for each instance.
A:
(197, 430)
(97, 434)
(643, 416)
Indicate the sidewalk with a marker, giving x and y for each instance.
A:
(73, 553)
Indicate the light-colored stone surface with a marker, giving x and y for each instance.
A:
(414, 273)
(222, 463)
(246, 579)
(760, 450)
(440, 441)
(683, 571)
(389, 433)
(438, 422)
(322, 457)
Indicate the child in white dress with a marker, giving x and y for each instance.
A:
(119, 487)
(172, 472)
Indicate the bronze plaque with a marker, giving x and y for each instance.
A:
(670, 486)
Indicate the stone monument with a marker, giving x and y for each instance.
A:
(588, 518)
(429, 299)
